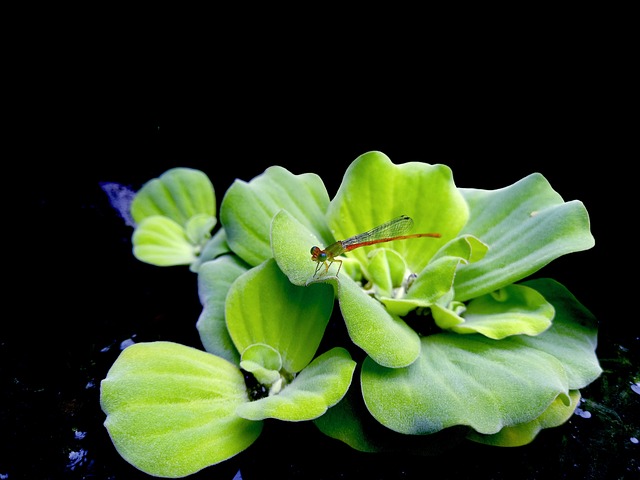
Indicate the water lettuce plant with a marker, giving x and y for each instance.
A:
(449, 338)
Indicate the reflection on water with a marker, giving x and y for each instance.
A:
(77, 459)
(120, 197)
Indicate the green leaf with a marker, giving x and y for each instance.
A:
(526, 225)
(163, 242)
(248, 208)
(572, 337)
(466, 247)
(386, 338)
(512, 310)
(171, 409)
(179, 194)
(431, 284)
(198, 228)
(263, 361)
(316, 388)
(374, 190)
(558, 412)
(214, 281)
(262, 306)
(506, 383)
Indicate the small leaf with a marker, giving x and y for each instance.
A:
(316, 388)
(198, 228)
(179, 194)
(512, 310)
(263, 361)
(171, 409)
(386, 269)
(431, 284)
(262, 306)
(466, 247)
(163, 242)
(263, 355)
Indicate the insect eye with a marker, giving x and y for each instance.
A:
(313, 250)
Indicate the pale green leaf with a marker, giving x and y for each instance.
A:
(526, 225)
(385, 337)
(171, 409)
(161, 241)
(512, 310)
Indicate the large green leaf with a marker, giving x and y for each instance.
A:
(214, 280)
(316, 388)
(179, 194)
(526, 225)
(171, 409)
(374, 190)
(463, 380)
(263, 307)
(573, 336)
(247, 209)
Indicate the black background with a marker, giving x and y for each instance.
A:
(78, 292)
